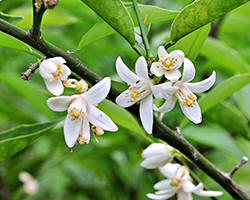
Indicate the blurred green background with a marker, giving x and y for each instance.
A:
(110, 169)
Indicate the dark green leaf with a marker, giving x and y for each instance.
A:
(199, 13)
(16, 139)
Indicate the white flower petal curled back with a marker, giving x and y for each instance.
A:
(157, 155)
(139, 90)
(168, 64)
(81, 111)
(183, 90)
(178, 182)
(53, 71)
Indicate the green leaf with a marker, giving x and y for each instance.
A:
(223, 55)
(116, 15)
(212, 136)
(222, 91)
(10, 18)
(16, 139)
(199, 13)
(192, 43)
(121, 116)
(228, 116)
(102, 29)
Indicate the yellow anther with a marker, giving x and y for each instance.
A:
(189, 102)
(135, 94)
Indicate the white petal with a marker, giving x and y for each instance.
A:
(164, 185)
(162, 53)
(154, 149)
(124, 72)
(179, 55)
(60, 103)
(98, 92)
(202, 85)
(188, 71)
(124, 100)
(100, 119)
(157, 69)
(192, 113)
(169, 169)
(168, 105)
(66, 72)
(85, 130)
(153, 162)
(182, 195)
(47, 66)
(173, 75)
(146, 113)
(160, 197)
(46, 75)
(188, 186)
(72, 130)
(55, 87)
(57, 60)
(141, 67)
(205, 193)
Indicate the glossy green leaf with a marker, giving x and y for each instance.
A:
(102, 29)
(212, 136)
(116, 15)
(10, 18)
(192, 43)
(228, 116)
(199, 13)
(221, 92)
(223, 55)
(16, 139)
(121, 116)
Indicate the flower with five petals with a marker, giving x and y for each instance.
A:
(81, 111)
(183, 90)
(139, 90)
(168, 64)
(179, 181)
(53, 70)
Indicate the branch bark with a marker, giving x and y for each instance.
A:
(160, 130)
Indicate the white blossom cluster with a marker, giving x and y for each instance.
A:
(159, 155)
(81, 107)
(141, 87)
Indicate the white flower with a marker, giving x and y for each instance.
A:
(157, 155)
(183, 91)
(81, 111)
(179, 181)
(139, 90)
(31, 185)
(168, 64)
(138, 37)
(53, 70)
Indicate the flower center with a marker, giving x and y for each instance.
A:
(168, 62)
(138, 90)
(186, 97)
(82, 140)
(58, 72)
(175, 182)
(74, 113)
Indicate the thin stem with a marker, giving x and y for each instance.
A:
(160, 130)
(143, 33)
(243, 161)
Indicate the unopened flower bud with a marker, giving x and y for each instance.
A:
(30, 184)
(50, 4)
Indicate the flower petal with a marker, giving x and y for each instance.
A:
(202, 85)
(154, 149)
(146, 113)
(160, 197)
(100, 119)
(162, 53)
(85, 130)
(57, 60)
(173, 75)
(98, 92)
(124, 100)
(157, 69)
(205, 193)
(189, 187)
(55, 87)
(182, 195)
(72, 130)
(47, 66)
(153, 162)
(124, 72)
(179, 56)
(169, 169)
(164, 185)
(164, 90)
(192, 113)
(66, 72)
(188, 71)
(60, 103)
(141, 68)
(168, 105)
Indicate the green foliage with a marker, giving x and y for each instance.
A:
(200, 13)
(10, 18)
(16, 139)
